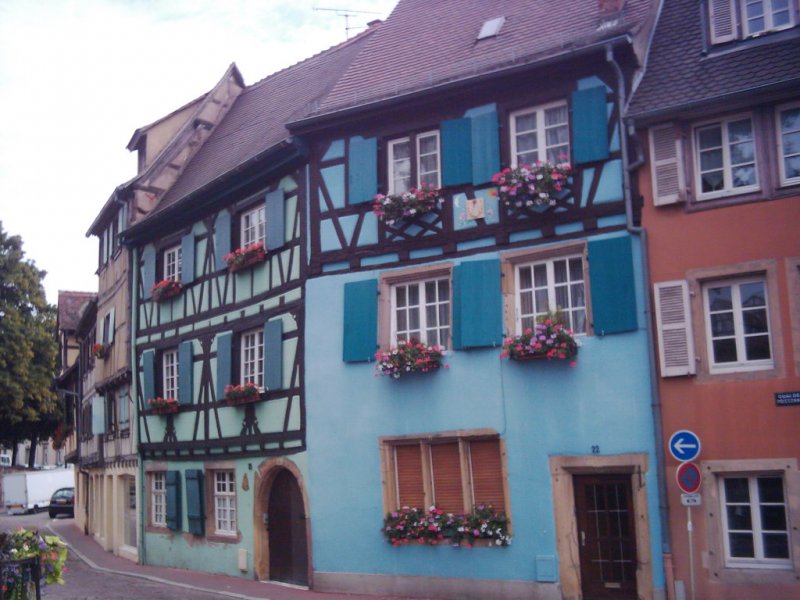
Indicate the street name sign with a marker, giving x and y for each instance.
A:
(684, 445)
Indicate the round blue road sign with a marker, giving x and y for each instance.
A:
(684, 445)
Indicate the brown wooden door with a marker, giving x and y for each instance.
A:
(606, 536)
(288, 547)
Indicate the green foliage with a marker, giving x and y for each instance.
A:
(16, 550)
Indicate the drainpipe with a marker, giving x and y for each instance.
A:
(655, 396)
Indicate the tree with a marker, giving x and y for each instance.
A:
(29, 407)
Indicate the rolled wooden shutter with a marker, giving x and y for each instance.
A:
(360, 338)
(173, 485)
(194, 501)
(487, 473)
(185, 373)
(448, 491)
(666, 165)
(148, 271)
(148, 375)
(477, 305)
(222, 238)
(187, 259)
(589, 125)
(275, 218)
(273, 354)
(408, 470)
(722, 20)
(362, 170)
(675, 338)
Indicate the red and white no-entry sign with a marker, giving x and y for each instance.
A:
(689, 478)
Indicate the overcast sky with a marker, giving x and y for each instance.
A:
(77, 77)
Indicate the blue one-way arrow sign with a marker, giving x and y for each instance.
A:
(684, 445)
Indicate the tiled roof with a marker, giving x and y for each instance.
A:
(256, 122)
(678, 73)
(70, 307)
(425, 43)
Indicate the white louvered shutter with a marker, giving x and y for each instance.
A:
(722, 20)
(673, 319)
(666, 165)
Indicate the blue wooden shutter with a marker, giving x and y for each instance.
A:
(274, 217)
(456, 151)
(148, 270)
(224, 373)
(485, 147)
(222, 238)
(185, 373)
(194, 501)
(148, 375)
(360, 320)
(613, 292)
(362, 170)
(98, 415)
(589, 125)
(173, 485)
(187, 259)
(273, 354)
(477, 305)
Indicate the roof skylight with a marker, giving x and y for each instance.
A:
(491, 28)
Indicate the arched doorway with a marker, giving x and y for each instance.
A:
(288, 553)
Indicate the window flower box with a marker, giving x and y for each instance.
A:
(241, 258)
(408, 357)
(435, 527)
(99, 351)
(549, 339)
(391, 208)
(532, 185)
(242, 394)
(163, 406)
(166, 289)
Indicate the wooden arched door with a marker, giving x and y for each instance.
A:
(288, 542)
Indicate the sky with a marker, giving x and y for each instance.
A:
(78, 77)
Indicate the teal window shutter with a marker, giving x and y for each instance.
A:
(612, 281)
(273, 354)
(274, 217)
(185, 373)
(194, 501)
(123, 403)
(589, 125)
(148, 270)
(98, 415)
(222, 238)
(173, 484)
(485, 147)
(362, 170)
(187, 259)
(224, 356)
(148, 375)
(360, 320)
(456, 151)
(477, 305)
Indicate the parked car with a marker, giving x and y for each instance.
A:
(62, 502)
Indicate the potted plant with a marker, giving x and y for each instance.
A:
(532, 185)
(391, 208)
(99, 350)
(166, 289)
(435, 527)
(548, 339)
(242, 394)
(408, 357)
(163, 406)
(244, 257)
(27, 559)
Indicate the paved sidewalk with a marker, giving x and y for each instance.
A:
(93, 555)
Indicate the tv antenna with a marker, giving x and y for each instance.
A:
(347, 13)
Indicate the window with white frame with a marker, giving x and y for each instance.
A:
(760, 16)
(252, 355)
(158, 499)
(172, 263)
(169, 370)
(422, 153)
(253, 226)
(756, 529)
(550, 286)
(737, 325)
(421, 310)
(539, 134)
(428, 167)
(725, 158)
(225, 502)
(789, 142)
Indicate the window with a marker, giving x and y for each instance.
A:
(737, 325)
(540, 133)
(169, 365)
(172, 263)
(725, 158)
(252, 366)
(158, 499)
(755, 521)
(421, 310)
(760, 16)
(550, 286)
(253, 226)
(454, 473)
(414, 162)
(225, 502)
(789, 141)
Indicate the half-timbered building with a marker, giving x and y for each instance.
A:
(446, 96)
